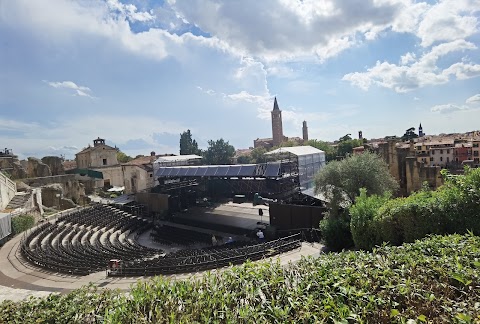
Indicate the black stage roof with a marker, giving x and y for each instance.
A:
(268, 170)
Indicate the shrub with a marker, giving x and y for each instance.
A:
(336, 232)
(452, 208)
(362, 224)
(22, 223)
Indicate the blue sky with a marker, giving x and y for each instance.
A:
(139, 72)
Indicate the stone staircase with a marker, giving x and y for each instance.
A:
(19, 200)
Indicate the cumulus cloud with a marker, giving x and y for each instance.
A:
(81, 91)
(290, 29)
(414, 73)
(449, 20)
(472, 103)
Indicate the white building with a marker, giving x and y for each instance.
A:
(310, 161)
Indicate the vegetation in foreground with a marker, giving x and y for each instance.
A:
(435, 280)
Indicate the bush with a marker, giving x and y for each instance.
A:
(452, 208)
(336, 232)
(362, 215)
(22, 223)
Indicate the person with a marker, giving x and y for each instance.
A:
(260, 212)
(260, 235)
(214, 240)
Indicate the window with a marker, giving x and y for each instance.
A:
(104, 161)
(441, 158)
(433, 152)
(448, 151)
(441, 151)
(431, 158)
(475, 153)
(475, 144)
(448, 159)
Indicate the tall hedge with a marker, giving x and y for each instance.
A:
(452, 208)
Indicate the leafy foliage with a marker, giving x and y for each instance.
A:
(346, 144)
(342, 180)
(452, 208)
(21, 223)
(409, 134)
(187, 144)
(123, 158)
(363, 213)
(219, 152)
(434, 280)
(336, 231)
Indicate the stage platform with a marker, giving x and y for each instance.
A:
(230, 217)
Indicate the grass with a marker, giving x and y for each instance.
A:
(435, 280)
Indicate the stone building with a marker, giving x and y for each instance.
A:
(138, 173)
(404, 166)
(103, 158)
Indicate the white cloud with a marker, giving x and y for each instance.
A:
(417, 73)
(81, 91)
(448, 108)
(80, 131)
(449, 20)
(473, 99)
(130, 11)
(279, 30)
(416, 99)
(472, 103)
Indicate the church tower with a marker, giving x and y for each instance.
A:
(420, 131)
(305, 131)
(277, 128)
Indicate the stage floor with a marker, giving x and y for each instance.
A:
(244, 216)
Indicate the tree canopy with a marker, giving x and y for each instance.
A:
(409, 134)
(123, 158)
(187, 144)
(341, 181)
(219, 152)
(346, 145)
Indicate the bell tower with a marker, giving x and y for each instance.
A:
(277, 128)
(305, 131)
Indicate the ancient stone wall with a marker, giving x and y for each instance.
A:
(36, 168)
(55, 164)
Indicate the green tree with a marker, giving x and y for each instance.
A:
(409, 134)
(187, 144)
(341, 181)
(257, 155)
(219, 152)
(244, 159)
(346, 145)
(330, 151)
(123, 158)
